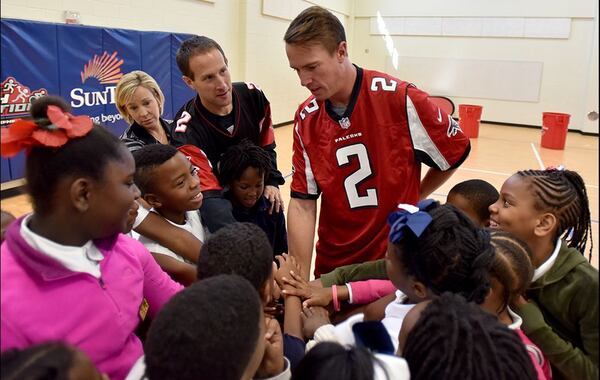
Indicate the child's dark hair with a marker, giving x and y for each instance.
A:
(240, 157)
(194, 46)
(452, 254)
(330, 360)
(511, 266)
(563, 193)
(479, 193)
(83, 156)
(45, 361)
(237, 248)
(454, 339)
(208, 331)
(147, 159)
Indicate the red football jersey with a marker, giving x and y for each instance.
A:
(367, 161)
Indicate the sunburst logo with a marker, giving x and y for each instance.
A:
(106, 68)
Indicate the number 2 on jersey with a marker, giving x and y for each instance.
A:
(364, 171)
(380, 83)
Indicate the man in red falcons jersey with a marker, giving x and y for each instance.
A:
(221, 115)
(359, 140)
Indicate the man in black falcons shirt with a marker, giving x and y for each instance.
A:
(221, 115)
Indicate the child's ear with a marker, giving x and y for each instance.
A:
(546, 224)
(153, 200)
(420, 290)
(79, 193)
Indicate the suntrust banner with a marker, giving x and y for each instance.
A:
(83, 64)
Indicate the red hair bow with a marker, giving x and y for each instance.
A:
(53, 132)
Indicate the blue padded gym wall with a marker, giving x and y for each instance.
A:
(83, 65)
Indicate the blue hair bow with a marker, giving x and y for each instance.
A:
(409, 218)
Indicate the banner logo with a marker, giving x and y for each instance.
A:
(106, 69)
(16, 99)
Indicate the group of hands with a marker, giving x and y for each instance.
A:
(316, 300)
(316, 306)
(289, 281)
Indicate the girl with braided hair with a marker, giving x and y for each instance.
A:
(453, 339)
(549, 211)
(448, 253)
(510, 277)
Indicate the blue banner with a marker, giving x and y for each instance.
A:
(83, 64)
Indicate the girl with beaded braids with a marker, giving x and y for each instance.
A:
(548, 210)
(67, 271)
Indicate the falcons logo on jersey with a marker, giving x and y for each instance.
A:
(453, 128)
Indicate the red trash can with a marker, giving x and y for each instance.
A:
(554, 129)
(469, 116)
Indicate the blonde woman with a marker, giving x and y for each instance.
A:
(140, 101)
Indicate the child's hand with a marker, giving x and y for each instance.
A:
(312, 319)
(296, 285)
(272, 363)
(287, 264)
(318, 297)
